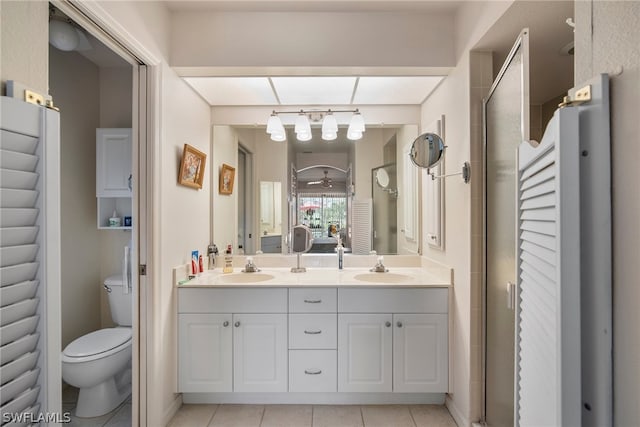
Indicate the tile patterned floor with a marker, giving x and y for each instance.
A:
(312, 416)
(119, 417)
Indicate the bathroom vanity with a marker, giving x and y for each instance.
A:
(316, 337)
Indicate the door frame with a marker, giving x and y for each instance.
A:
(145, 138)
(521, 43)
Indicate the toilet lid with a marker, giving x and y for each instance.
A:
(98, 342)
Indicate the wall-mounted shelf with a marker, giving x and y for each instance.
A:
(113, 176)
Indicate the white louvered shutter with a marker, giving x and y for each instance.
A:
(24, 288)
(362, 221)
(548, 312)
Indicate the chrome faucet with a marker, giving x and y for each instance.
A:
(379, 267)
(250, 267)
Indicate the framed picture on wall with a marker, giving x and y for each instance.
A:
(227, 175)
(192, 167)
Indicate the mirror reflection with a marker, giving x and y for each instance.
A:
(427, 150)
(335, 188)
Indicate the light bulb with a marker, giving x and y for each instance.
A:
(274, 125)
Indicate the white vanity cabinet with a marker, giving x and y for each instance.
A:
(232, 340)
(364, 352)
(313, 342)
(113, 175)
(205, 356)
(313, 339)
(393, 340)
(260, 352)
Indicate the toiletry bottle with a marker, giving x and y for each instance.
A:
(200, 264)
(340, 250)
(228, 260)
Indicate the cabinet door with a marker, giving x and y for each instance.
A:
(204, 352)
(364, 352)
(260, 352)
(420, 363)
(113, 162)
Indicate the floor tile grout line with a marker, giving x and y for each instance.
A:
(213, 415)
(362, 416)
(264, 409)
(411, 415)
(312, 408)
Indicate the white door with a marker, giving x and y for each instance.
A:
(364, 352)
(204, 353)
(420, 353)
(260, 352)
(113, 162)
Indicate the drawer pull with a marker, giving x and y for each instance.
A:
(313, 332)
(313, 372)
(313, 301)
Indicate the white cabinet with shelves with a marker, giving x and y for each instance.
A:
(113, 175)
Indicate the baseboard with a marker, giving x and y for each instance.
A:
(316, 398)
(458, 417)
(172, 409)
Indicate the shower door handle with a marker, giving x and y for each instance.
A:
(511, 295)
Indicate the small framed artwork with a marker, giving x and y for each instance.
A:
(192, 167)
(227, 175)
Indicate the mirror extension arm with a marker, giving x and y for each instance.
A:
(466, 173)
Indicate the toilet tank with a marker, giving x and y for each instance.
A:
(120, 303)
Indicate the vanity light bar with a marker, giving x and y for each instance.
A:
(303, 126)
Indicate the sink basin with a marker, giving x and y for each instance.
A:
(245, 278)
(382, 277)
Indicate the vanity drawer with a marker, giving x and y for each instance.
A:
(226, 300)
(313, 331)
(312, 300)
(313, 370)
(387, 300)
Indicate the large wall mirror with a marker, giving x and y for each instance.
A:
(314, 183)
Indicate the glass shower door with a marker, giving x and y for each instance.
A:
(506, 126)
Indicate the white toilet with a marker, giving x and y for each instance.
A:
(99, 363)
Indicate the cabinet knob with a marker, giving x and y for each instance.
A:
(399, 324)
(387, 324)
(237, 324)
(226, 323)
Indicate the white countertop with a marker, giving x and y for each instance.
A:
(320, 277)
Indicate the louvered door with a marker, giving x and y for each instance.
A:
(29, 280)
(548, 310)
(362, 226)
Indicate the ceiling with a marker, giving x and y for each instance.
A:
(314, 5)
(314, 90)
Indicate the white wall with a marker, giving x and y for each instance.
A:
(75, 87)
(23, 27)
(405, 137)
(607, 35)
(459, 98)
(235, 39)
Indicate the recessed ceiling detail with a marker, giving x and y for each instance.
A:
(314, 90)
(234, 90)
(395, 90)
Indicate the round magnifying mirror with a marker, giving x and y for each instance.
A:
(382, 178)
(427, 150)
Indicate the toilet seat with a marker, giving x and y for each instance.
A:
(96, 345)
